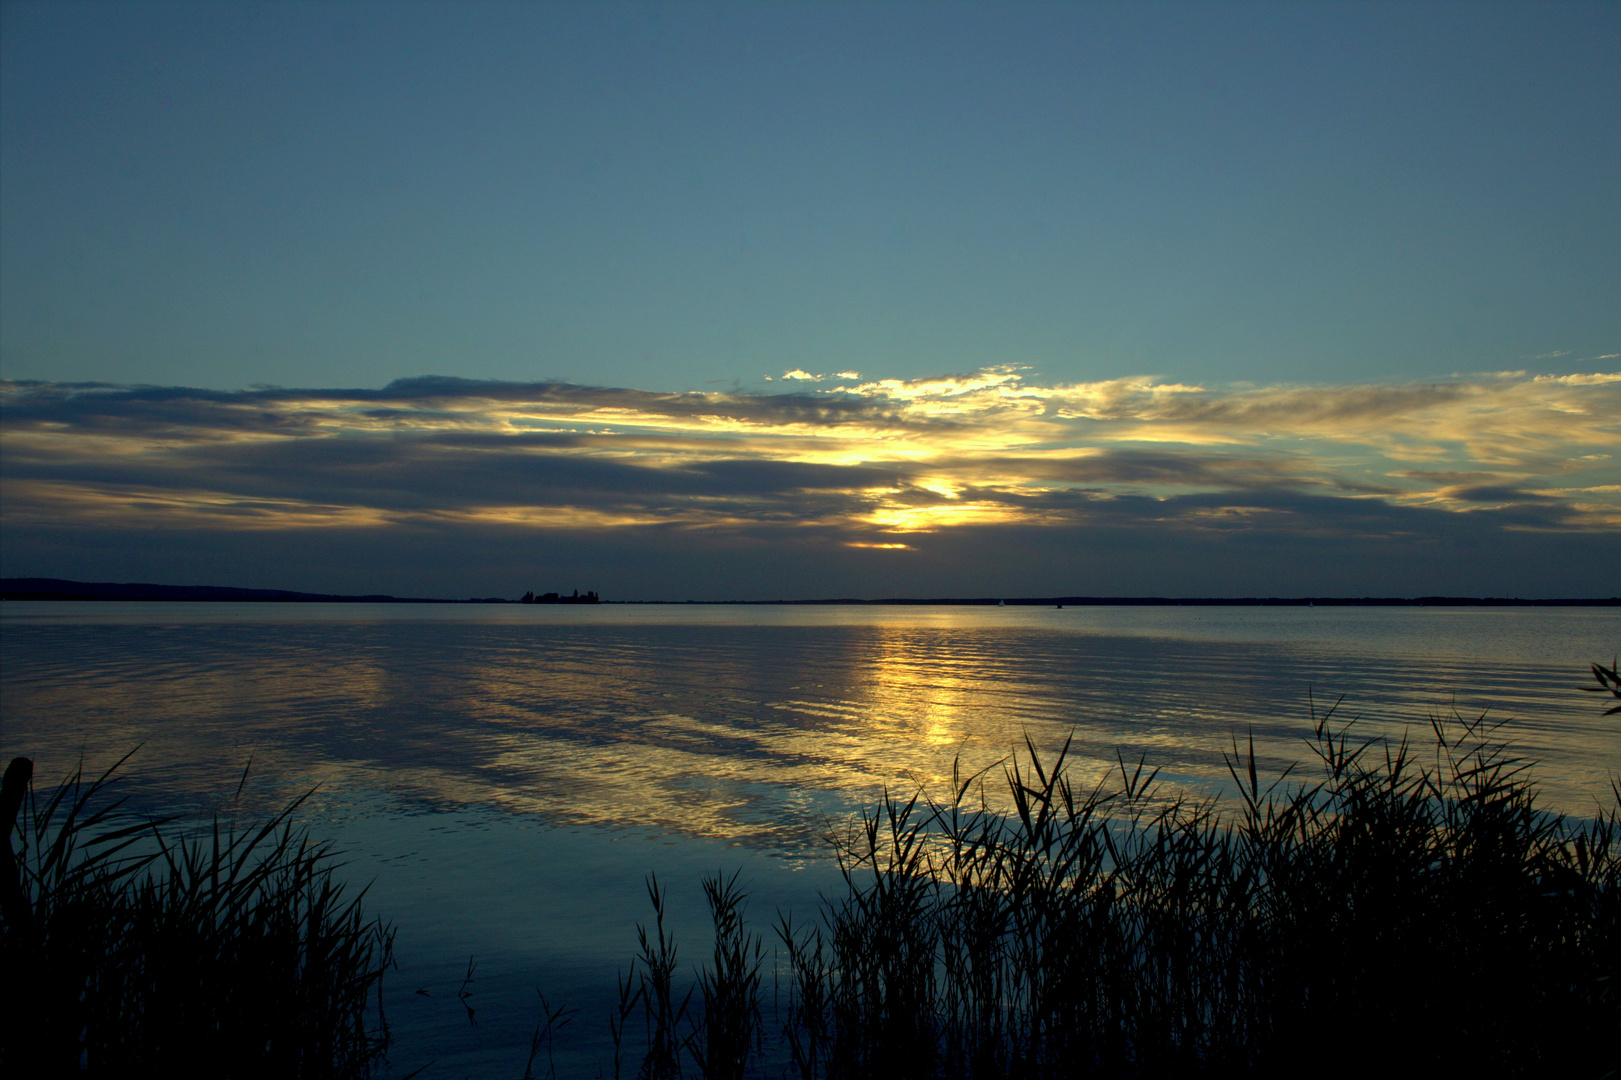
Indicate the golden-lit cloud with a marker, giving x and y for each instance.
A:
(871, 464)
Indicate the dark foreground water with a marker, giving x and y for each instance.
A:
(505, 776)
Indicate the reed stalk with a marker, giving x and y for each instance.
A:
(233, 953)
(1405, 911)
(1406, 908)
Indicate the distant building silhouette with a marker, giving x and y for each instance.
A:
(555, 598)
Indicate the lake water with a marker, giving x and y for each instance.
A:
(505, 776)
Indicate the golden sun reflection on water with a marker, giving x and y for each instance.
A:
(767, 729)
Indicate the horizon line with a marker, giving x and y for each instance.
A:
(64, 589)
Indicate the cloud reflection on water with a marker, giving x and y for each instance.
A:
(757, 730)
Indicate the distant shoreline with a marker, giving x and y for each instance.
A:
(62, 589)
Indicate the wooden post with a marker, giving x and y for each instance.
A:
(13, 901)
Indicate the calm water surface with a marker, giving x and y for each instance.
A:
(506, 775)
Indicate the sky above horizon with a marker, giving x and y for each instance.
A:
(765, 300)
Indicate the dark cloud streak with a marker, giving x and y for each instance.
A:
(973, 478)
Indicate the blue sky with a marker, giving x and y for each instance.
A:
(663, 196)
(809, 212)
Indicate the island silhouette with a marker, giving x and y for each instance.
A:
(554, 598)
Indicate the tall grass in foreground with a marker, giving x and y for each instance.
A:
(725, 1031)
(228, 954)
(1401, 912)
(1405, 910)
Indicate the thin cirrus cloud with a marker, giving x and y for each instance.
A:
(887, 467)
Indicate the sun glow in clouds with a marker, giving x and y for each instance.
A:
(872, 465)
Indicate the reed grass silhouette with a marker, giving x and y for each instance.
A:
(230, 953)
(1400, 912)
(1404, 911)
(725, 1032)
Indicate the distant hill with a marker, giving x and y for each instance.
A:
(59, 589)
